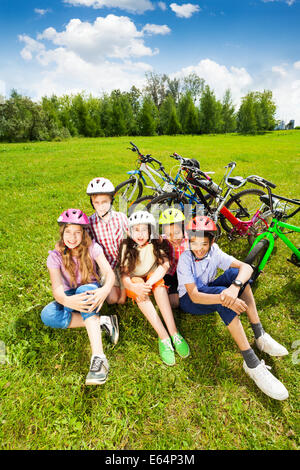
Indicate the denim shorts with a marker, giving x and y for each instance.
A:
(215, 287)
(57, 315)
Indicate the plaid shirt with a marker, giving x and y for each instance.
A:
(175, 252)
(109, 234)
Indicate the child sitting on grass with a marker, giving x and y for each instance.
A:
(76, 287)
(107, 228)
(172, 223)
(200, 292)
(143, 264)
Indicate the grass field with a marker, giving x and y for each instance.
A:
(205, 401)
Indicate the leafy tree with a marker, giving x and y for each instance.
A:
(210, 112)
(188, 115)
(148, 118)
(247, 115)
(228, 113)
(194, 85)
(156, 87)
(169, 122)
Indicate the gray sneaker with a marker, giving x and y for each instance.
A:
(111, 326)
(98, 371)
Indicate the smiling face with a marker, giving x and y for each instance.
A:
(72, 236)
(101, 203)
(173, 233)
(200, 246)
(140, 234)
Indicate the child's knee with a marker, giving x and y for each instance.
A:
(85, 288)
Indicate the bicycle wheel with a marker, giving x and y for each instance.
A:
(255, 257)
(164, 201)
(126, 193)
(243, 205)
(139, 204)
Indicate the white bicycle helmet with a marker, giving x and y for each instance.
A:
(100, 186)
(141, 217)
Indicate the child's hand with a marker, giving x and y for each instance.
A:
(229, 296)
(140, 288)
(97, 297)
(239, 306)
(79, 302)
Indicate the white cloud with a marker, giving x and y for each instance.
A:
(110, 37)
(288, 2)
(283, 80)
(219, 78)
(2, 89)
(162, 6)
(98, 56)
(184, 11)
(134, 6)
(41, 12)
(156, 29)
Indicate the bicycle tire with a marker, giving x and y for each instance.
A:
(255, 257)
(244, 213)
(139, 204)
(122, 201)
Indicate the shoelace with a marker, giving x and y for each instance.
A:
(96, 364)
(177, 339)
(167, 342)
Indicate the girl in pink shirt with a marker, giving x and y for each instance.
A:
(77, 288)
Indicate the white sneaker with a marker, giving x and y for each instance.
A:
(111, 326)
(98, 372)
(267, 344)
(266, 381)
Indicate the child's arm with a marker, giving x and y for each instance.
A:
(159, 273)
(229, 295)
(78, 302)
(239, 306)
(99, 295)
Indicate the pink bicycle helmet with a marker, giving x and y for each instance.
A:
(73, 216)
(201, 223)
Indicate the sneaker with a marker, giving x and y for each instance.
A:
(267, 344)
(98, 371)
(166, 351)
(266, 381)
(110, 325)
(180, 345)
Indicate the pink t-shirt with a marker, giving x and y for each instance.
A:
(54, 260)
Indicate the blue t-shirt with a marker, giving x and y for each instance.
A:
(201, 272)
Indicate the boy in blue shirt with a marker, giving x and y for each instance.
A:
(200, 293)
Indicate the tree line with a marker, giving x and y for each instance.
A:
(165, 106)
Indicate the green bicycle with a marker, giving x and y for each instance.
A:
(263, 245)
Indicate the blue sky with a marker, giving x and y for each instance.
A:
(64, 46)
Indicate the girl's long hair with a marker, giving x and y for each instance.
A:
(161, 250)
(86, 265)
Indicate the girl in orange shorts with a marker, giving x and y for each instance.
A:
(143, 262)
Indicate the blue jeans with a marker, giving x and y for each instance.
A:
(57, 315)
(215, 287)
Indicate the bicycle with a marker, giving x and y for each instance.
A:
(213, 203)
(263, 245)
(131, 189)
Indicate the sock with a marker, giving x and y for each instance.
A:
(257, 329)
(250, 358)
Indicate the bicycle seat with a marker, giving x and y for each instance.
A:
(236, 180)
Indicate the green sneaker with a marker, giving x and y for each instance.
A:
(180, 345)
(166, 351)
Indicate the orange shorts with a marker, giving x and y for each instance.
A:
(133, 295)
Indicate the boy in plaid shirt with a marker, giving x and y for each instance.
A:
(108, 228)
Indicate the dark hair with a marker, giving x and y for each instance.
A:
(128, 261)
(210, 235)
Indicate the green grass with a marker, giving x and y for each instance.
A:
(205, 401)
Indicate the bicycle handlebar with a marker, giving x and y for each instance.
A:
(260, 181)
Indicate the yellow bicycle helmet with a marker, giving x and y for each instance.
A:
(171, 216)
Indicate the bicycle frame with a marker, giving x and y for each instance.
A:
(274, 229)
